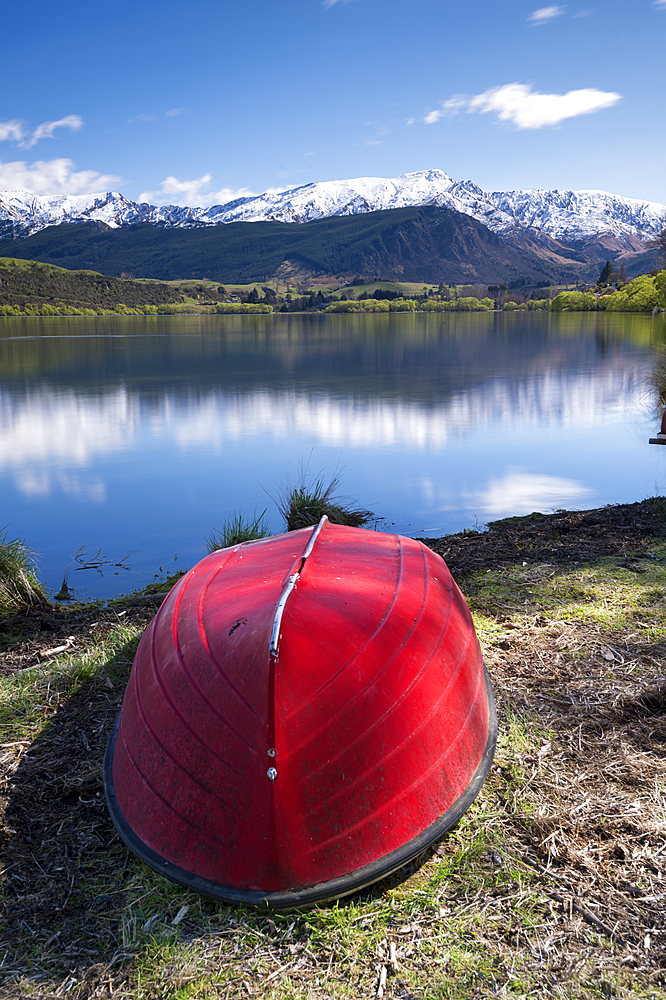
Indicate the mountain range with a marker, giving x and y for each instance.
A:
(498, 235)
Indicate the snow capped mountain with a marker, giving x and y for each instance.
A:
(26, 213)
(23, 213)
(582, 215)
(365, 194)
(565, 216)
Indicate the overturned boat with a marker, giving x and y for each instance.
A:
(305, 714)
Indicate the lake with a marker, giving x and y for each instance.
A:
(138, 435)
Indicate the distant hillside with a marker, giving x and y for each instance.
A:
(409, 244)
(23, 283)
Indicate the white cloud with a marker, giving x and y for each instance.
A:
(518, 104)
(659, 4)
(332, 3)
(171, 113)
(11, 130)
(53, 177)
(42, 483)
(520, 492)
(545, 14)
(171, 188)
(46, 129)
(454, 105)
(195, 192)
(16, 131)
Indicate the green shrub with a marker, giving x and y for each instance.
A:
(574, 302)
(660, 286)
(640, 295)
(467, 303)
(435, 305)
(166, 309)
(237, 308)
(359, 305)
(46, 309)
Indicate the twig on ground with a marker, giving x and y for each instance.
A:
(586, 915)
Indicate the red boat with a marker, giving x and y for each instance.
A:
(305, 714)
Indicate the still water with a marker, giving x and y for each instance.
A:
(138, 435)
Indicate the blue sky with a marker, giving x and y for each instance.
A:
(197, 103)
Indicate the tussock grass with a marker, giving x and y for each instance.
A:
(306, 503)
(657, 376)
(237, 529)
(19, 587)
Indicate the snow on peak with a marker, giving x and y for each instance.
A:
(582, 215)
(562, 215)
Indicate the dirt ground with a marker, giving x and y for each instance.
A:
(594, 834)
(563, 538)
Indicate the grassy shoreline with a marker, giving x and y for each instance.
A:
(553, 884)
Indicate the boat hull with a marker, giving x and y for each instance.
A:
(305, 714)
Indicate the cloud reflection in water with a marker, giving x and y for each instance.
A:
(520, 492)
(45, 434)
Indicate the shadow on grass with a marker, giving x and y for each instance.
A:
(64, 867)
(73, 913)
(32, 625)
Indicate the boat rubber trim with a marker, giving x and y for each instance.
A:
(342, 885)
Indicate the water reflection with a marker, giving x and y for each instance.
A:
(45, 426)
(523, 492)
(141, 432)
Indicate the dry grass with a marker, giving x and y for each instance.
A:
(552, 885)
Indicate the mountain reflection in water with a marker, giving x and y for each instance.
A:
(142, 433)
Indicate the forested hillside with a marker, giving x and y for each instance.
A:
(29, 283)
(408, 244)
